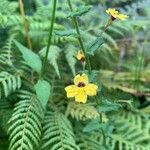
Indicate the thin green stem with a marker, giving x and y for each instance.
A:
(49, 38)
(106, 27)
(101, 120)
(75, 21)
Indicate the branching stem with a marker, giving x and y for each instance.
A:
(75, 22)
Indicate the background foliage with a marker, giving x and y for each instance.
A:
(118, 118)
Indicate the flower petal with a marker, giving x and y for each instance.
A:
(71, 90)
(81, 96)
(112, 12)
(90, 89)
(80, 55)
(122, 17)
(83, 78)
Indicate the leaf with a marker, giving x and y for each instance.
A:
(93, 125)
(107, 106)
(70, 52)
(95, 45)
(96, 125)
(32, 59)
(109, 39)
(115, 31)
(3, 20)
(81, 111)
(92, 75)
(9, 83)
(57, 133)
(80, 11)
(52, 56)
(69, 32)
(43, 88)
(25, 123)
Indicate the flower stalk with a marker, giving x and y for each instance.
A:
(50, 37)
(75, 22)
(114, 14)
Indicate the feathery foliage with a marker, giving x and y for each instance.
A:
(35, 111)
(57, 132)
(25, 126)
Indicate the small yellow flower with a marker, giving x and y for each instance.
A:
(112, 12)
(80, 56)
(81, 89)
(115, 14)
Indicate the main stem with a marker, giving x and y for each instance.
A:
(50, 37)
(75, 21)
(25, 22)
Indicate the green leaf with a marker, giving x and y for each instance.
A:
(95, 45)
(107, 106)
(57, 129)
(69, 32)
(3, 20)
(96, 125)
(80, 11)
(70, 52)
(43, 88)
(92, 75)
(53, 55)
(32, 59)
(93, 125)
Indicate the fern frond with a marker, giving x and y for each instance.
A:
(124, 27)
(63, 39)
(25, 123)
(52, 57)
(15, 21)
(58, 134)
(81, 111)
(110, 40)
(70, 57)
(131, 132)
(9, 83)
(7, 7)
(115, 31)
(87, 142)
(36, 25)
(6, 52)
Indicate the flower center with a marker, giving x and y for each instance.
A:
(82, 59)
(81, 84)
(113, 18)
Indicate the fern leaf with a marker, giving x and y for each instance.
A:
(116, 31)
(7, 7)
(9, 83)
(87, 142)
(81, 111)
(58, 133)
(25, 126)
(131, 132)
(52, 57)
(110, 40)
(6, 52)
(70, 54)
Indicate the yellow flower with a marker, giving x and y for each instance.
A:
(81, 88)
(115, 14)
(112, 12)
(80, 56)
